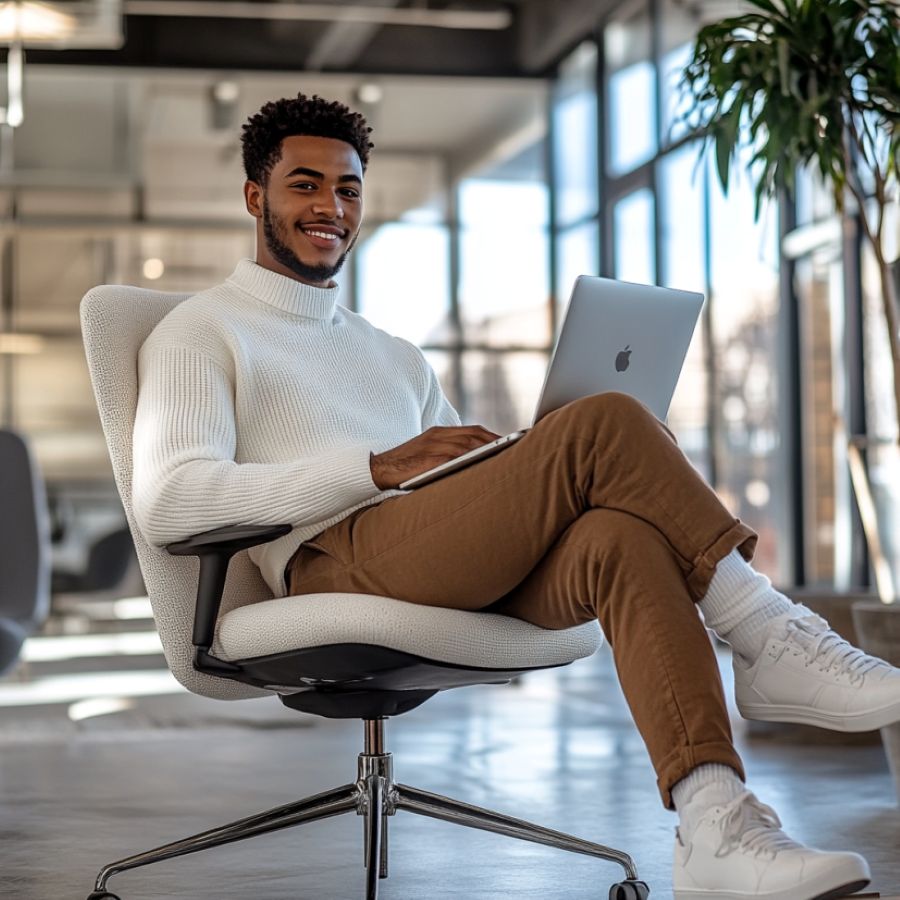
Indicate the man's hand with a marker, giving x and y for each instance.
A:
(438, 445)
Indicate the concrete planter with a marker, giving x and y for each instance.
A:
(878, 628)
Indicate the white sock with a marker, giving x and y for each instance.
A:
(719, 784)
(740, 603)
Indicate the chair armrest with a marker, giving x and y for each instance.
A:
(215, 549)
(229, 539)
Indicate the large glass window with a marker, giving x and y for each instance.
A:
(744, 295)
(576, 173)
(502, 388)
(403, 281)
(677, 35)
(504, 276)
(575, 136)
(631, 88)
(577, 251)
(633, 227)
(683, 258)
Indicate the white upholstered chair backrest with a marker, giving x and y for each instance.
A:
(115, 322)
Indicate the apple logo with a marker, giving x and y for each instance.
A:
(622, 359)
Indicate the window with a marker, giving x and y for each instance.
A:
(683, 257)
(504, 274)
(575, 136)
(635, 240)
(631, 89)
(403, 281)
(744, 297)
(577, 250)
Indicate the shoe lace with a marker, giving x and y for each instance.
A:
(752, 826)
(828, 649)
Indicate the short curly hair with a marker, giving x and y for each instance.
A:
(263, 132)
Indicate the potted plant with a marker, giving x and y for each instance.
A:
(809, 82)
(815, 83)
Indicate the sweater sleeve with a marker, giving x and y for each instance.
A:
(186, 479)
(436, 409)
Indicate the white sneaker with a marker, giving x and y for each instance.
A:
(808, 674)
(739, 852)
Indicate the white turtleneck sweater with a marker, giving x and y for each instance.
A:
(260, 401)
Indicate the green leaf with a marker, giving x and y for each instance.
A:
(723, 157)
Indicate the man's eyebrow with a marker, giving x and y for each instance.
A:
(312, 173)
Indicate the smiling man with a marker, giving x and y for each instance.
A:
(310, 207)
(263, 401)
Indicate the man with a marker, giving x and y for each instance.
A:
(263, 401)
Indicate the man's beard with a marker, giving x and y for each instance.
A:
(275, 232)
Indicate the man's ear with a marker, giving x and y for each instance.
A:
(254, 198)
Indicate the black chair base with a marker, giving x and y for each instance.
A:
(375, 796)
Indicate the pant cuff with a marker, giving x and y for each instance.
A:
(683, 760)
(740, 536)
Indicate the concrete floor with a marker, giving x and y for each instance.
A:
(557, 748)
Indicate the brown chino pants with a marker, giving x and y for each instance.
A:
(595, 513)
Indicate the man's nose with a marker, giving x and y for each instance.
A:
(329, 206)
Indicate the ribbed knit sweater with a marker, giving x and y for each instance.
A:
(259, 403)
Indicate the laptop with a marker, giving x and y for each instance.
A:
(615, 336)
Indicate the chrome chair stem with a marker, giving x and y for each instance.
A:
(438, 807)
(374, 820)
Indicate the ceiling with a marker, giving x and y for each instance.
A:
(405, 37)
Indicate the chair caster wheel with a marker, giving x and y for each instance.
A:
(102, 895)
(629, 890)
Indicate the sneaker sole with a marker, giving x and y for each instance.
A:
(803, 715)
(831, 893)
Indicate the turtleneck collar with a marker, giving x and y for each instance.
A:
(285, 293)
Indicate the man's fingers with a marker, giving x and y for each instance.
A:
(472, 440)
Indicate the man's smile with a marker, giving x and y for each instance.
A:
(326, 237)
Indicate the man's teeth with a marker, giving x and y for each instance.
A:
(321, 234)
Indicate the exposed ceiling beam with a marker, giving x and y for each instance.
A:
(469, 19)
(343, 41)
(548, 30)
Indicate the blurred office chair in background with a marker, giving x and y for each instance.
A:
(24, 548)
(334, 655)
(109, 562)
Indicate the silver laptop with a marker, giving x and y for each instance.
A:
(615, 336)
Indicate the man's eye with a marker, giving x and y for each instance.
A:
(350, 192)
(304, 185)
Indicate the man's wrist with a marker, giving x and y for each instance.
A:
(375, 470)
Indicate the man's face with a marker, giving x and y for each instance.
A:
(309, 213)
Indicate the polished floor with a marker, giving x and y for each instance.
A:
(87, 777)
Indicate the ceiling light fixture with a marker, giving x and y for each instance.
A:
(59, 25)
(26, 21)
(370, 93)
(471, 19)
(153, 268)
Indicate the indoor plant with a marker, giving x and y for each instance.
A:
(809, 82)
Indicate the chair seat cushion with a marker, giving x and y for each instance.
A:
(480, 639)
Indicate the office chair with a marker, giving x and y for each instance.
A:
(109, 561)
(24, 548)
(335, 655)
